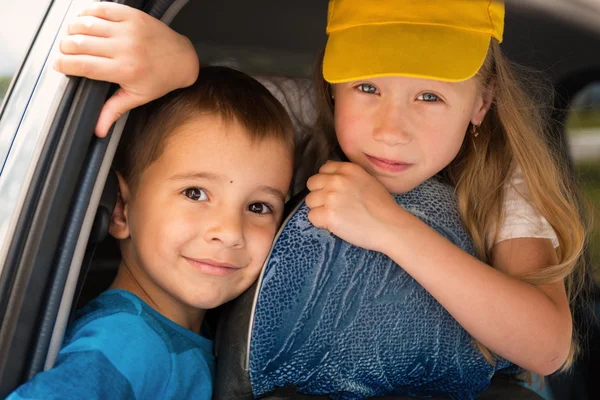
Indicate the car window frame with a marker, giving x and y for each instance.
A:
(47, 109)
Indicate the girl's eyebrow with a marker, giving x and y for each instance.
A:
(454, 86)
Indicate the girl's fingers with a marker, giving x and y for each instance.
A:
(315, 199)
(109, 11)
(331, 167)
(88, 45)
(318, 217)
(91, 26)
(98, 68)
(316, 182)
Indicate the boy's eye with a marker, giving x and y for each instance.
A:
(367, 88)
(195, 193)
(429, 97)
(260, 208)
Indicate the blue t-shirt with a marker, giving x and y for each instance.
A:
(121, 348)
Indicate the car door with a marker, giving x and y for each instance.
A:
(53, 173)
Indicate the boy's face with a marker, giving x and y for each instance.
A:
(202, 219)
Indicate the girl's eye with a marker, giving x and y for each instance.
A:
(367, 88)
(195, 194)
(260, 208)
(429, 97)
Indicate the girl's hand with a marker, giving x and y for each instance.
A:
(351, 204)
(117, 43)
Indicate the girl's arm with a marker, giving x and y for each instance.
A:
(120, 44)
(528, 325)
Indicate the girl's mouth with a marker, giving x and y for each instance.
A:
(388, 165)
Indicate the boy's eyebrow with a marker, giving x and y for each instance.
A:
(192, 175)
(273, 191)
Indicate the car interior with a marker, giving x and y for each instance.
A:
(283, 57)
(279, 43)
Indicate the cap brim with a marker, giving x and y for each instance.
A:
(430, 52)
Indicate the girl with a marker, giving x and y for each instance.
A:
(410, 91)
(403, 107)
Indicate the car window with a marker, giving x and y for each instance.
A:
(583, 129)
(19, 21)
(28, 32)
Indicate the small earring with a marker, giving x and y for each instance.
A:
(474, 130)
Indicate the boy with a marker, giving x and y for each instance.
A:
(202, 178)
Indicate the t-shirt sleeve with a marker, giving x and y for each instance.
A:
(521, 219)
(114, 357)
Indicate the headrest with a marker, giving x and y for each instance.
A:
(297, 95)
(332, 318)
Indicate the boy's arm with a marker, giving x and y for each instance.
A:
(80, 375)
(120, 44)
(105, 363)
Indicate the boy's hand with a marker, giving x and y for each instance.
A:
(350, 203)
(117, 43)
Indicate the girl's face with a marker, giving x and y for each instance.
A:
(405, 130)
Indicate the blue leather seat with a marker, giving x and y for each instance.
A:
(329, 318)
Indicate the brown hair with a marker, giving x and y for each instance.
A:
(513, 133)
(233, 95)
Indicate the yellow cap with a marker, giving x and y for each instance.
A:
(444, 40)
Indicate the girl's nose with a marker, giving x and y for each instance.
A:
(226, 228)
(390, 128)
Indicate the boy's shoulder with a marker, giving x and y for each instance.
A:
(114, 313)
(105, 306)
(125, 316)
(119, 347)
(150, 351)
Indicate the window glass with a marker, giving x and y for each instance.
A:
(19, 21)
(583, 129)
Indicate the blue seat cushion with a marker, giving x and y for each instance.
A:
(335, 319)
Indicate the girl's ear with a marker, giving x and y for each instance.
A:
(119, 224)
(487, 97)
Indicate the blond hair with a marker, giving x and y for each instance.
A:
(513, 133)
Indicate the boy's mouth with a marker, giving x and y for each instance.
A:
(388, 165)
(211, 267)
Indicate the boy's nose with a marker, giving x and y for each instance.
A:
(391, 128)
(227, 228)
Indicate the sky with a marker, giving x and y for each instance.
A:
(19, 19)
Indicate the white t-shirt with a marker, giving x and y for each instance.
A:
(521, 220)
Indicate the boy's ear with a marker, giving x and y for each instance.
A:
(119, 224)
